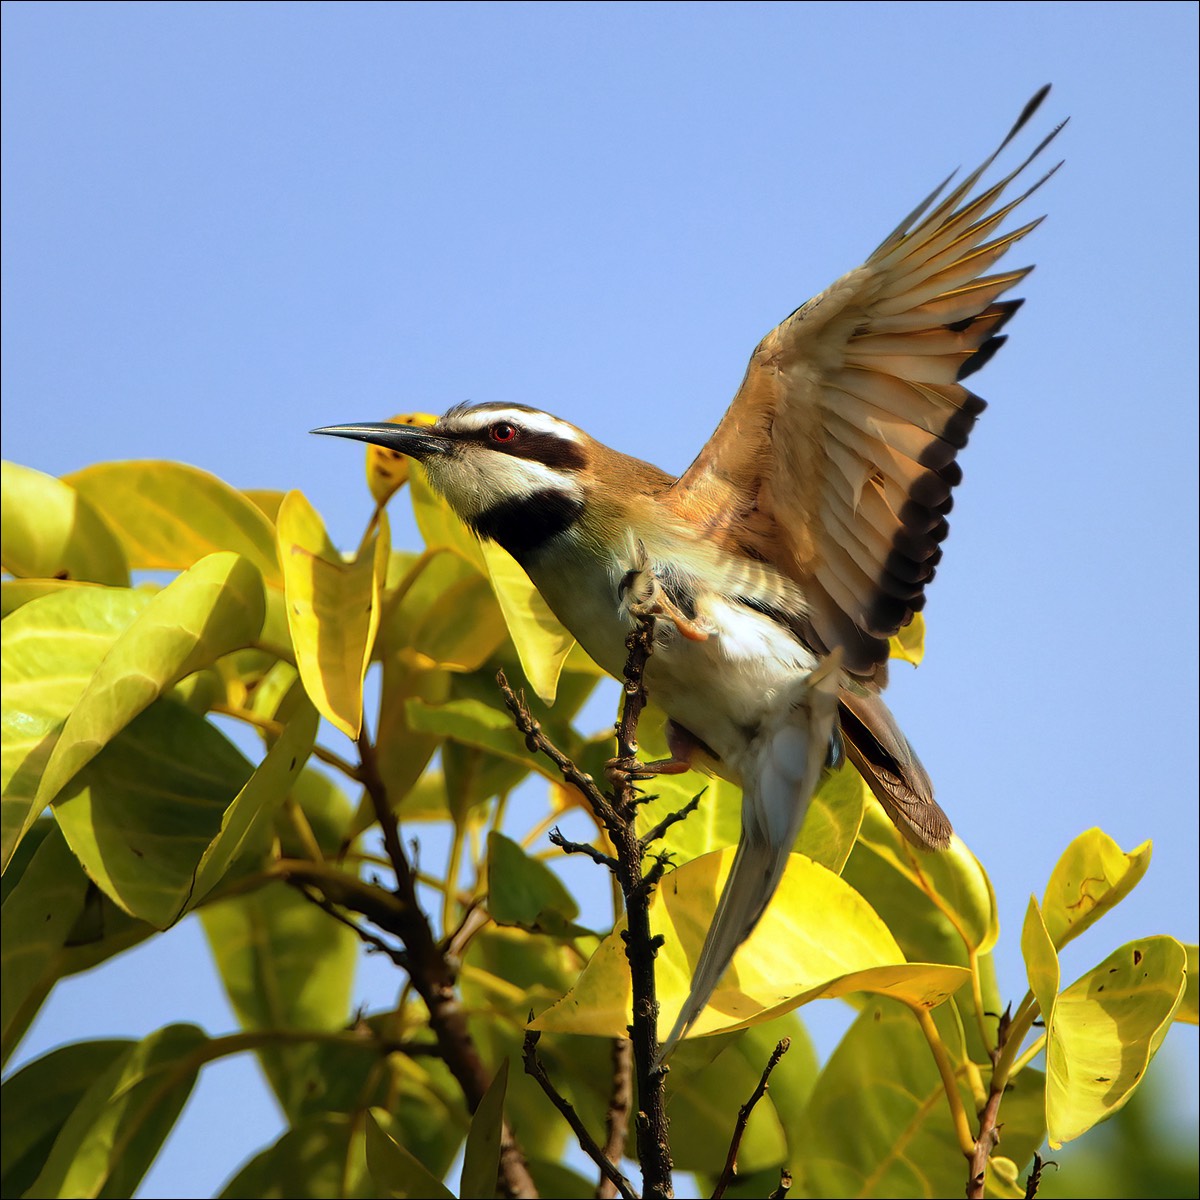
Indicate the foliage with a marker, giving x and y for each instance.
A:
(126, 806)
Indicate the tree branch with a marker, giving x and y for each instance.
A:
(535, 1068)
(618, 814)
(729, 1171)
(430, 971)
(620, 1102)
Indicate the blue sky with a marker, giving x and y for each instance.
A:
(225, 224)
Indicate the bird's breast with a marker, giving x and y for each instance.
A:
(720, 688)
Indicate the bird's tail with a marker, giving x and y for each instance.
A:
(781, 773)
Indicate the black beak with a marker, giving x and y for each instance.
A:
(416, 441)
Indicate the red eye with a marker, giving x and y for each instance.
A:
(502, 431)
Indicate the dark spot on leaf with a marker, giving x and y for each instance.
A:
(292, 765)
(1100, 988)
(1103, 1079)
(1137, 957)
(63, 574)
(137, 852)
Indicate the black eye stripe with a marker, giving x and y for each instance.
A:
(535, 444)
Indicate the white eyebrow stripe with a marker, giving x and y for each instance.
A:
(531, 419)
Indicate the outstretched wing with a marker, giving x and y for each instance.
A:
(836, 460)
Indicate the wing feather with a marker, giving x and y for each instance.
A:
(837, 460)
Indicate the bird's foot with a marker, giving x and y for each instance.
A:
(632, 770)
(661, 607)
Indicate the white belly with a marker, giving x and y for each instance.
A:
(720, 689)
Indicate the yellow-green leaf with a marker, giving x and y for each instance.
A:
(1041, 960)
(396, 1173)
(1093, 875)
(1105, 1029)
(541, 641)
(168, 515)
(445, 616)
(817, 938)
(319, 1156)
(521, 890)
(1187, 1011)
(878, 1124)
(438, 525)
(285, 965)
(258, 801)
(474, 723)
(332, 608)
(49, 650)
(212, 608)
(39, 1098)
(953, 879)
(37, 916)
(117, 1129)
(49, 531)
(140, 815)
(481, 1158)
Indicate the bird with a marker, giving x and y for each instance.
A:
(801, 538)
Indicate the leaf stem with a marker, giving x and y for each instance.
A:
(958, 1113)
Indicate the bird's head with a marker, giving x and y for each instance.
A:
(514, 474)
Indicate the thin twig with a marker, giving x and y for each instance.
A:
(373, 941)
(538, 742)
(568, 847)
(785, 1185)
(1034, 1179)
(535, 1068)
(656, 831)
(729, 1171)
(620, 1102)
(433, 976)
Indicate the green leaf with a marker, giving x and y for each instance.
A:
(711, 1077)
(481, 1158)
(142, 813)
(256, 804)
(1105, 1029)
(48, 652)
(835, 944)
(213, 608)
(395, 1172)
(333, 609)
(878, 1124)
(521, 890)
(100, 931)
(118, 1127)
(168, 515)
(320, 1156)
(285, 964)
(39, 1098)
(38, 914)
(1093, 875)
(49, 531)
(474, 723)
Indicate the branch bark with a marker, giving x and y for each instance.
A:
(618, 814)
